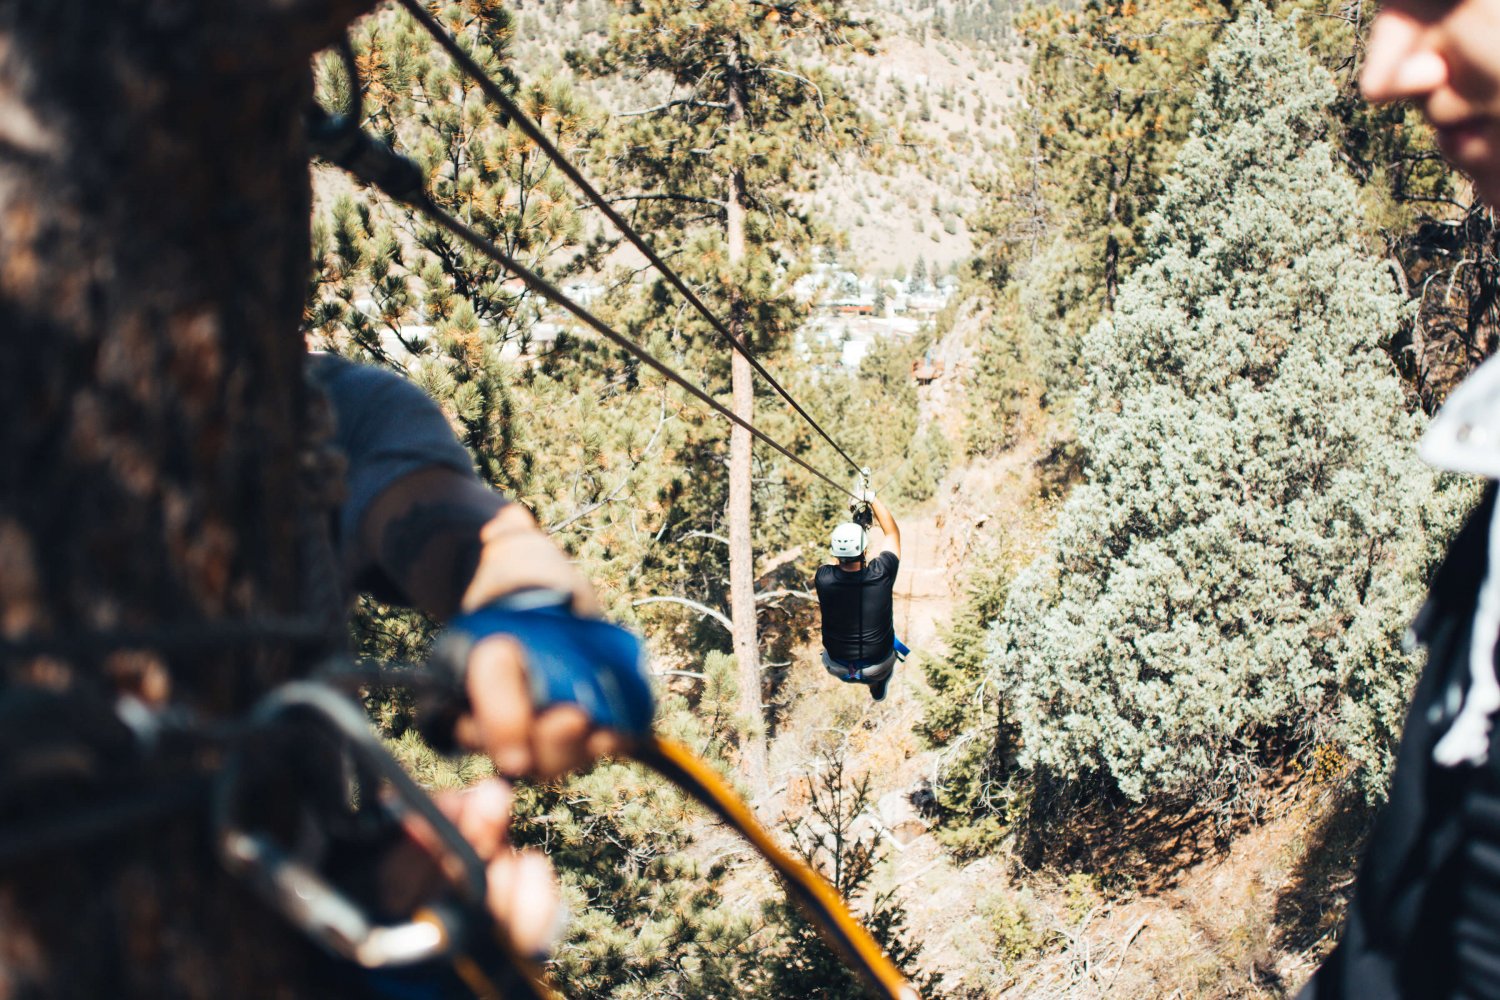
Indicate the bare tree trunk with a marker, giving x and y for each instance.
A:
(154, 202)
(741, 549)
(1112, 211)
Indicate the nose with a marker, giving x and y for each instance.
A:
(1402, 60)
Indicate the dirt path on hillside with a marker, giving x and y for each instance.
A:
(924, 592)
(980, 506)
(1219, 919)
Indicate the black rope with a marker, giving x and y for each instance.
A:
(373, 162)
(173, 638)
(533, 132)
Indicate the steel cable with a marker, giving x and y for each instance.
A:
(557, 297)
(375, 163)
(533, 132)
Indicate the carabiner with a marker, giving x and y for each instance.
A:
(457, 929)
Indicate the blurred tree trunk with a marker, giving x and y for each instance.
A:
(154, 201)
(741, 547)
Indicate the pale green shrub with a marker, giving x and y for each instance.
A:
(1254, 527)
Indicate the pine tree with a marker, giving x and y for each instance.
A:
(831, 842)
(918, 283)
(156, 188)
(743, 127)
(1253, 531)
(551, 422)
(394, 289)
(1111, 87)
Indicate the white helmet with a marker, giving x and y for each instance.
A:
(848, 541)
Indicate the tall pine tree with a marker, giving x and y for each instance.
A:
(740, 126)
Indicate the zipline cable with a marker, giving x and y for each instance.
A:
(373, 162)
(555, 295)
(534, 132)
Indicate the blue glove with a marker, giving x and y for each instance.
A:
(587, 662)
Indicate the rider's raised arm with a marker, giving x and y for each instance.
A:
(892, 540)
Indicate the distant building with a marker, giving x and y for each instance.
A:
(925, 305)
(861, 306)
(854, 352)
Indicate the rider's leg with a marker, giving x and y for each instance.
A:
(879, 675)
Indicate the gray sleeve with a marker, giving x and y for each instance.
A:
(388, 428)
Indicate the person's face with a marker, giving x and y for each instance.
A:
(1444, 56)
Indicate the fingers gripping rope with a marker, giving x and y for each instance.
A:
(601, 667)
(588, 662)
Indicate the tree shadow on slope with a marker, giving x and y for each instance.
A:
(1310, 908)
(1145, 847)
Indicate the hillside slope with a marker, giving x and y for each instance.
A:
(1165, 907)
(940, 93)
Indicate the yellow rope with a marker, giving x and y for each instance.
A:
(806, 887)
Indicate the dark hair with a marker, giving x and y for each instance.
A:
(852, 563)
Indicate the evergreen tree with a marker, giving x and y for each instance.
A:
(831, 842)
(1254, 528)
(1110, 92)
(918, 283)
(554, 421)
(1108, 99)
(716, 164)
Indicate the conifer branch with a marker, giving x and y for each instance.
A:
(817, 90)
(704, 534)
(691, 102)
(702, 609)
(624, 480)
(773, 595)
(689, 199)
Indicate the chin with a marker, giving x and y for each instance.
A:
(1487, 184)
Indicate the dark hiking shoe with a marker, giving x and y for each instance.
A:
(877, 689)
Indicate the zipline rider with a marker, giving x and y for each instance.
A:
(855, 600)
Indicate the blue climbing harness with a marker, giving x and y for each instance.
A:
(854, 673)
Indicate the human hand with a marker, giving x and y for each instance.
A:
(501, 722)
(521, 890)
(516, 555)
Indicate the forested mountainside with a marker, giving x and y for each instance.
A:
(1165, 522)
(937, 89)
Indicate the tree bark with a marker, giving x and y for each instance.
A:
(741, 549)
(1112, 210)
(154, 202)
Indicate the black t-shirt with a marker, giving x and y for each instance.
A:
(857, 612)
